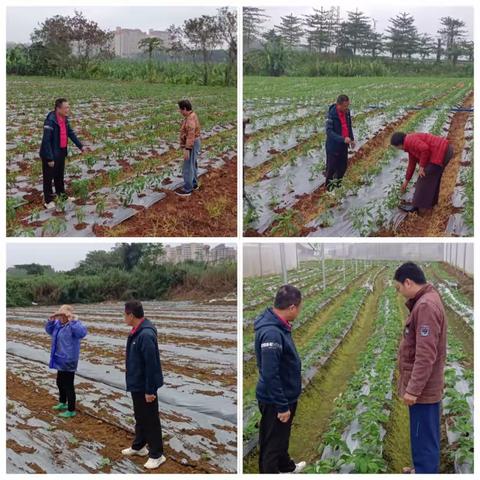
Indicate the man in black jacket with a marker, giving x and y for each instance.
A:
(339, 137)
(53, 151)
(280, 381)
(144, 377)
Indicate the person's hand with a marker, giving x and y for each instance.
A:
(284, 416)
(149, 398)
(352, 144)
(347, 140)
(186, 155)
(404, 186)
(52, 318)
(51, 164)
(421, 172)
(409, 399)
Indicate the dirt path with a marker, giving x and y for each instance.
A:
(306, 331)
(88, 427)
(208, 212)
(434, 226)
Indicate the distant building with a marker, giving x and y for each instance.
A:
(198, 252)
(221, 253)
(187, 251)
(125, 40)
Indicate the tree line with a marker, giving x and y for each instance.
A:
(127, 271)
(63, 44)
(325, 33)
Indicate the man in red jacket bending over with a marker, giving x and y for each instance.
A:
(432, 153)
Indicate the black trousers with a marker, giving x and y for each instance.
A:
(336, 167)
(54, 174)
(148, 430)
(66, 389)
(274, 440)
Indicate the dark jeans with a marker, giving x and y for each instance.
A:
(54, 174)
(274, 440)
(336, 167)
(190, 168)
(66, 389)
(425, 437)
(148, 430)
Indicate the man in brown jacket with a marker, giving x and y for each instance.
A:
(421, 361)
(190, 145)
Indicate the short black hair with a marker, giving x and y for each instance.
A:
(411, 271)
(287, 295)
(59, 102)
(135, 308)
(397, 138)
(342, 98)
(185, 105)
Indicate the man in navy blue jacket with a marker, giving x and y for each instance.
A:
(53, 150)
(280, 381)
(339, 137)
(144, 377)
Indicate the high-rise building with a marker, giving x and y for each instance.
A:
(222, 252)
(187, 251)
(125, 40)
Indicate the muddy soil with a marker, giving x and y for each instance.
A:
(208, 212)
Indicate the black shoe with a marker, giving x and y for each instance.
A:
(408, 208)
(183, 193)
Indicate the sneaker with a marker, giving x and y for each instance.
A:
(130, 452)
(50, 205)
(183, 193)
(155, 462)
(67, 414)
(299, 467)
(408, 208)
(60, 406)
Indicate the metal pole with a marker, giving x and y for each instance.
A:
(323, 265)
(465, 259)
(260, 259)
(283, 262)
(456, 255)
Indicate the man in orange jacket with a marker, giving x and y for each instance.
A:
(421, 361)
(432, 153)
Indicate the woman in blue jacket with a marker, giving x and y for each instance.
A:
(66, 332)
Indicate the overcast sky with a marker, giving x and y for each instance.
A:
(21, 21)
(61, 256)
(427, 19)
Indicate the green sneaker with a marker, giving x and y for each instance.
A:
(60, 406)
(67, 414)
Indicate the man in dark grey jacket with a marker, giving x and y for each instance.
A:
(280, 381)
(144, 377)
